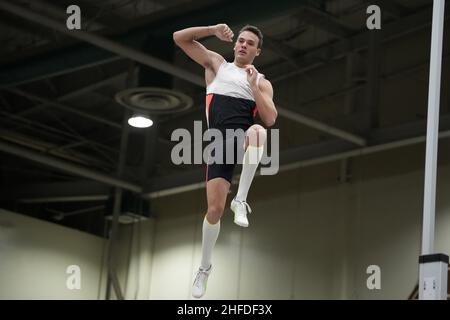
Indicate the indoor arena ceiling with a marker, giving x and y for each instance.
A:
(62, 127)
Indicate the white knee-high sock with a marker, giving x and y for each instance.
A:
(252, 157)
(209, 238)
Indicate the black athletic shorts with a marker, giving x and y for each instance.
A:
(225, 112)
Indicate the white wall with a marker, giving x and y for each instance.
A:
(389, 231)
(134, 256)
(34, 256)
(305, 242)
(292, 250)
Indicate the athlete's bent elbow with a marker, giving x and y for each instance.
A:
(175, 36)
(270, 122)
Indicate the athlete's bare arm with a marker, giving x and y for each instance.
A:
(186, 39)
(263, 94)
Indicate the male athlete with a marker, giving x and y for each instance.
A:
(235, 93)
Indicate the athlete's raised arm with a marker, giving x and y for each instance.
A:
(187, 38)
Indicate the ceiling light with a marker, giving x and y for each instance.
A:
(140, 121)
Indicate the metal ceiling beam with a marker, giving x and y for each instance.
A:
(282, 50)
(63, 107)
(47, 56)
(319, 125)
(73, 191)
(307, 61)
(67, 167)
(232, 11)
(60, 215)
(48, 148)
(404, 72)
(91, 11)
(144, 59)
(117, 47)
(48, 130)
(317, 57)
(66, 129)
(58, 199)
(81, 191)
(392, 8)
(360, 152)
(78, 92)
(53, 65)
(104, 43)
(110, 43)
(59, 12)
(173, 13)
(324, 21)
(345, 153)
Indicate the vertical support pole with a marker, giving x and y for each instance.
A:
(432, 279)
(112, 275)
(434, 91)
(373, 81)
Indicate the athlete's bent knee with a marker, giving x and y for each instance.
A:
(214, 214)
(256, 135)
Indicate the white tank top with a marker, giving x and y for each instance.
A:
(232, 81)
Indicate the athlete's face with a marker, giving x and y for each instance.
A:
(246, 47)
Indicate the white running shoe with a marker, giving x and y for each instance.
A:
(240, 209)
(200, 282)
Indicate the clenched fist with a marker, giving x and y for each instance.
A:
(223, 32)
(252, 74)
